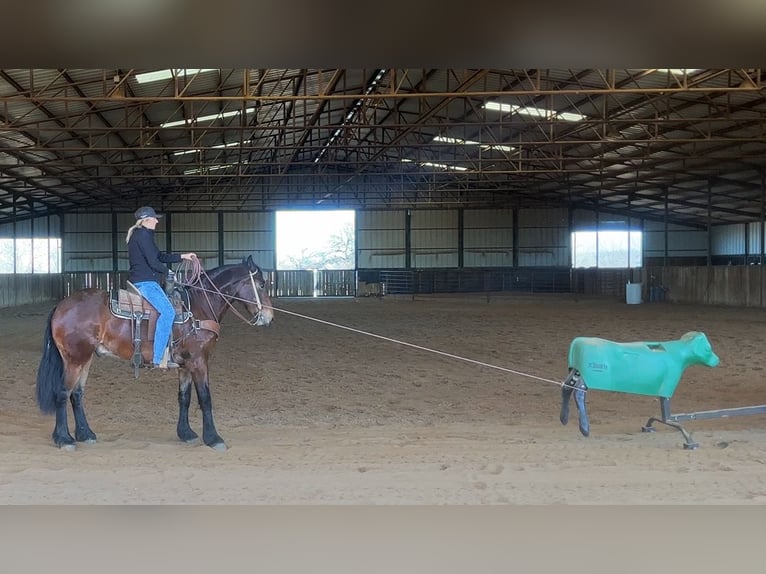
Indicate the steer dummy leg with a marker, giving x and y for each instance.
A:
(566, 393)
(574, 383)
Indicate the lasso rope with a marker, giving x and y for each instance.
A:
(420, 347)
(191, 271)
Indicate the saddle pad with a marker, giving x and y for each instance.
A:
(126, 304)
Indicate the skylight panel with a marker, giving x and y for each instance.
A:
(211, 117)
(499, 147)
(437, 165)
(534, 112)
(458, 141)
(167, 74)
(444, 166)
(219, 146)
(678, 71)
(444, 139)
(208, 168)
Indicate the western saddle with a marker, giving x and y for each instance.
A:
(130, 305)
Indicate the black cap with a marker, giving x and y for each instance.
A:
(146, 211)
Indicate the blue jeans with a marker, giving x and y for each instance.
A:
(153, 293)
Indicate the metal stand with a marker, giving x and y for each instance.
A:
(672, 420)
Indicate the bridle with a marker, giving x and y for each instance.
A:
(196, 284)
(258, 303)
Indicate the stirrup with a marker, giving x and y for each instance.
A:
(166, 362)
(166, 365)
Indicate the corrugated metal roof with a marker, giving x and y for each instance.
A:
(75, 139)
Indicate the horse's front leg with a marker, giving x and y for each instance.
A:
(210, 435)
(184, 431)
(82, 430)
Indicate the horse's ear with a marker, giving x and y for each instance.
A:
(250, 263)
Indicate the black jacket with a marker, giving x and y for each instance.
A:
(147, 262)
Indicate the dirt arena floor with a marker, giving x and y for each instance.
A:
(315, 414)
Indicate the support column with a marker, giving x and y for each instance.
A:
(665, 242)
(115, 242)
(408, 239)
(460, 239)
(762, 232)
(220, 238)
(709, 238)
(515, 235)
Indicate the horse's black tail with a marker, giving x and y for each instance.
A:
(50, 373)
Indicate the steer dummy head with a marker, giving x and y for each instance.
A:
(702, 351)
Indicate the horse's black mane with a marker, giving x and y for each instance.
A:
(222, 276)
(216, 271)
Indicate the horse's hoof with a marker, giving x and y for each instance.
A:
(89, 441)
(188, 436)
(68, 447)
(219, 446)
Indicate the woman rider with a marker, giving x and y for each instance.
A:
(147, 268)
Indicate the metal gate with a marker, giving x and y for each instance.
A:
(316, 283)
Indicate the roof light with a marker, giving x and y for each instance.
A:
(444, 139)
(184, 152)
(439, 165)
(167, 74)
(498, 147)
(211, 117)
(208, 168)
(678, 71)
(534, 112)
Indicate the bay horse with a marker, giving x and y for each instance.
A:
(83, 326)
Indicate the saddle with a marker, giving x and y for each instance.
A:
(130, 305)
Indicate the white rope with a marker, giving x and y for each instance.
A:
(400, 342)
(420, 347)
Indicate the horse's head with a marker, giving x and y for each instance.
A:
(253, 294)
(241, 283)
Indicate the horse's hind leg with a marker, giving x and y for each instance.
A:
(184, 431)
(72, 391)
(61, 436)
(82, 430)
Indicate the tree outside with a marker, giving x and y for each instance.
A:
(315, 240)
